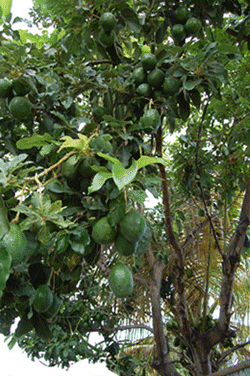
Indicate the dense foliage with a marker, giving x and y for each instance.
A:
(109, 102)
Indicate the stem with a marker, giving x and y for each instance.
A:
(51, 168)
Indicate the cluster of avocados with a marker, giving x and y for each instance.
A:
(184, 25)
(153, 82)
(107, 36)
(131, 236)
(15, 91)
(126, 236)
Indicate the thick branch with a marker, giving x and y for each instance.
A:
(231, 351)
(177, 251)
(231, 261)
(197, 164)
(193, 235)
(123, 327)
(163, 363)
(166, 204)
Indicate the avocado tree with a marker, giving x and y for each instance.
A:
(111, 102)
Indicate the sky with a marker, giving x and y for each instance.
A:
(15, 361)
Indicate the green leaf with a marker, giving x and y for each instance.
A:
(46, 149)
(219, 71)
(131, 19)
(161, 32)
(99, 180)
(43, 234)
(190, 85)
(79, 241)
(54, 208)
(108, 158)
(145, 161)
(195, 98)
(80, 144)
(12, 343)
(24, 326)
(62, 243)
(123, 176)
(42, 327)
(36, 140)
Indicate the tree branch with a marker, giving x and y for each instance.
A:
(231, 262)
(224, 131)
(200, 185)
(162, 363)
(232, 350)
(177, 251)
(124, 327)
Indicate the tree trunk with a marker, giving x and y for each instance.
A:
(201, 358)
(162, 364)
(199, 347)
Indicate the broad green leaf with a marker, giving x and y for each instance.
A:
(131, 18)
(62, 243)
(54, 208)
(99, 180)
(42, 327)
(108, 158)
(190, 85)
(61, 222)
(56, 186)
(81, 143)
(123, 176)
(36, 140)
(24, 326)
(43, 234)
(46, 149)
(145, 161)
(78, 243)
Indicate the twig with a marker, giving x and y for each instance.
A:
(99, 61)
(228, 352)
(222, 132)
(51, 168)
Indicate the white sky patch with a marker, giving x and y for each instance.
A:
(21, 8)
